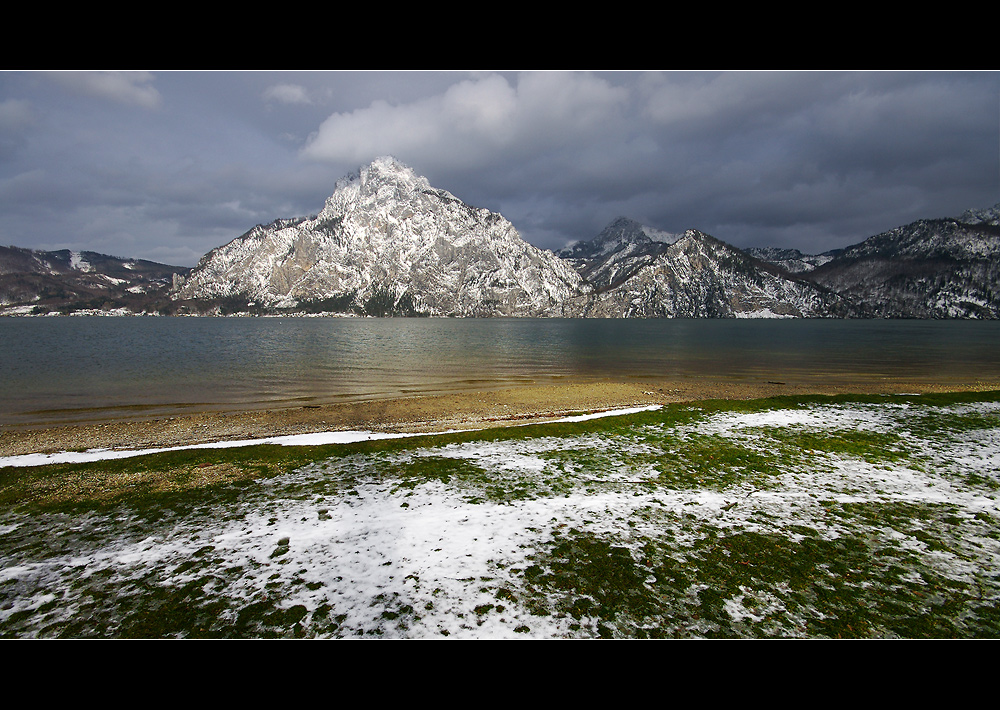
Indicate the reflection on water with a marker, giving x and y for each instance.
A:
(56, 368)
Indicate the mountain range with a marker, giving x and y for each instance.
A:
(387, 243)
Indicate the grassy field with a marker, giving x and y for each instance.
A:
(819, 517)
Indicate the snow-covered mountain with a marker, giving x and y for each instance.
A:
(387, 242)
(990, 215)
(617, 253)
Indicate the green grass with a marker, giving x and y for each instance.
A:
(873, 447)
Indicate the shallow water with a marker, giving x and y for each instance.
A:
(89, 368)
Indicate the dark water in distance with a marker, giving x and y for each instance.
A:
(66, 368)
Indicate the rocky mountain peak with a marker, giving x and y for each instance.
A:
(385, 178)
(622, 233)
(386, 234)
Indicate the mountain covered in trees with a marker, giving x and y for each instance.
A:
(387, 243)
(932, 268)
(41, 282)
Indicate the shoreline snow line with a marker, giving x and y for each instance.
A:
(316, 439)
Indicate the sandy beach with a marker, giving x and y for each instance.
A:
(459, 410)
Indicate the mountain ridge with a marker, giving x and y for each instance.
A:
(387, 243)
(931, 268)
(697, 275)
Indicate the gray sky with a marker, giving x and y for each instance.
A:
(167, 165)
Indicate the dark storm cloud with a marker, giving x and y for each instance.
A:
(821, 160)
(169, 165)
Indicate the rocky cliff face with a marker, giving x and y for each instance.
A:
(386, 240)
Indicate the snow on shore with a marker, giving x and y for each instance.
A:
(317, 439)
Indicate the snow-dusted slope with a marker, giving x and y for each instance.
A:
(623, 233)
(67, 281)
(386, 236)
(698, 276)
(990, 215)
(934, 268)
(791, 260)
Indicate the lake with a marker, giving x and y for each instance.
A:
(62, 369)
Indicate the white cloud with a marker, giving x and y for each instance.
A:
(287, 94)
(473, 120)
(485, 109)
(126, 87)
(574, 103)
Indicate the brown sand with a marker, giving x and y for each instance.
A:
(462, 410)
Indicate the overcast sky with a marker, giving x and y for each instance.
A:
(167, 165)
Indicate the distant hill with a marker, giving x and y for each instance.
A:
(931, 268)
(791, 260)
(41, 282)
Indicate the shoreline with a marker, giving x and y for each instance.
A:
(430, 412)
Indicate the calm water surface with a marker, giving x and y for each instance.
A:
(76, 368)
